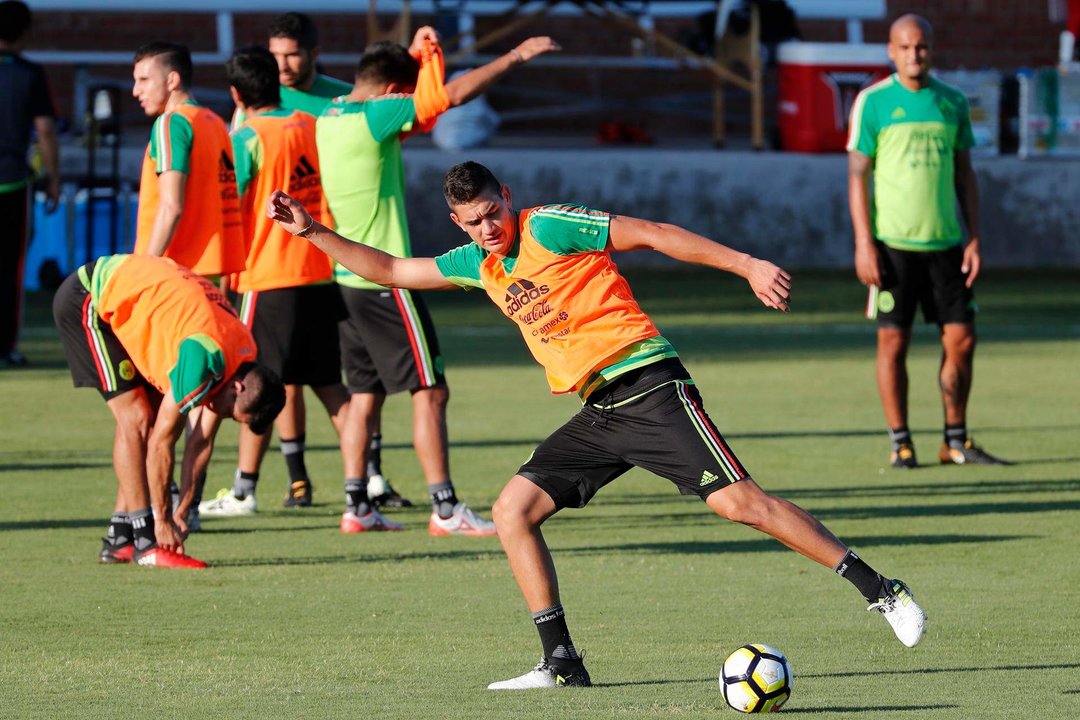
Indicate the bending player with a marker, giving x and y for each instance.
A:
(640, 403)
(158, 341)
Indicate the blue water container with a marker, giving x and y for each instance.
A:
(61, 237)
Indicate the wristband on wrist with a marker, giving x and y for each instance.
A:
(306, 231)
(517, 56)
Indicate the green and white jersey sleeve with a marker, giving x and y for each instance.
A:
(171, 140)
(912, 137)
(569, 229)
(247, 156)
(461, 265)
(200, 367)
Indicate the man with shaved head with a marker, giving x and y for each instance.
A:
(912, 133)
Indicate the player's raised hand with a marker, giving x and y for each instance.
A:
(287, 212)
(423, 35)
(771, 284)
(536, 46)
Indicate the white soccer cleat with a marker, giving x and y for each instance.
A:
(225, 504)
(351, 523)
(462, 522)
(545, 676)
(907, 619)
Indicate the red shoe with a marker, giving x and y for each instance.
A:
(160, 557)
(113, 554)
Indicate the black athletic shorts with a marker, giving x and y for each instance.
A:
(388, 342)
(931, 280)
(296, 331)
(652, 418)
(94, 354)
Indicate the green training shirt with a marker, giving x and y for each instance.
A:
(363, 175)
(912, 138)
(312, 101)
(315, 100)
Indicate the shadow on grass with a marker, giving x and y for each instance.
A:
(868, 708)
(396, 557)
(948, 670)
(767, 544)
(72, 524)
(60, 467)
(937, 489)
(673, 548)
(772, 435)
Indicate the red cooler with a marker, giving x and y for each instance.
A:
(816, 85)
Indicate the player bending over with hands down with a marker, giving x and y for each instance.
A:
(550, 271)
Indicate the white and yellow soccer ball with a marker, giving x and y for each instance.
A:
(756, 679)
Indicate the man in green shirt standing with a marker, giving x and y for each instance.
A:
(388, 341)
(294, 43)
(913, 134)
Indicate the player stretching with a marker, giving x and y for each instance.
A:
(388, 342)
(158, 341)
(550, 271)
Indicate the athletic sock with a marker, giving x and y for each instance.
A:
(200, 485)
(120, 531)
(142, 525)
(956, 435)
(443, 498)
(900, 436)
(174, 493)
(555, 637)
(293, 450)
(868, 581)
(244, 484)
(374, 463)
(356, 499)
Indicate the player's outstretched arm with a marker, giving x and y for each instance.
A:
(771, 284)
(464, 88)
(367, 262)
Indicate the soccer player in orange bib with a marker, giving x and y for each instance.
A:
(288, 297)
(157, 341)
(549, 270)
(188, 208)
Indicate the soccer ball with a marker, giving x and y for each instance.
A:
(756, 678)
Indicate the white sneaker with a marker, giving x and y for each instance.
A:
(225, 504)
(351, 523)
(545, 676)
(463, 522)
(907, 619)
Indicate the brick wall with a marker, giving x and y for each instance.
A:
(973, 34)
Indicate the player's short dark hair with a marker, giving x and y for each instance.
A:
(15, 20)
(467, 181)
(388, 62)
(173, 56)
(253, 72)
(296, 26)
(262, 398)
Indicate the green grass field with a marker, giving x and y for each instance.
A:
(296, 620)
